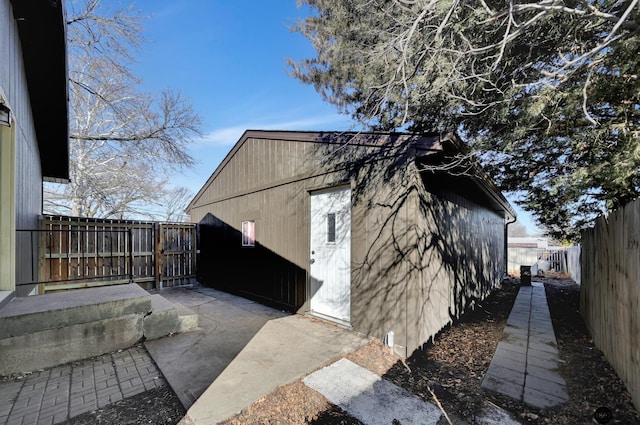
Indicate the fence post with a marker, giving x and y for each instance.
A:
(130, 244)
(158, 254)
(195, 244)
(43, 235)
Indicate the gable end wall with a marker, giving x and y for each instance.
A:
(418, 260)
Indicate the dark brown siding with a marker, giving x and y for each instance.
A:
(254, 272)
(420, 256)
(274, 194)
(468, 241)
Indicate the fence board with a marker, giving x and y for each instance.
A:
(80, 252)
(610, 291)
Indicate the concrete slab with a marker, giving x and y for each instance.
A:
(547, 353)
(505, 350)
(51, 329)
(509, 369)
(53, 347)
(532, 355)
(513, 330)
(541, 400)
(514, 340)
(546, 362)
(547, 347)
(187, 318)
(192, 361)
(518, 322)
(539, 329)
(551, 388)
(542, 338)
(369, 398)
(510, 346)
(548, 374)
(502, 386)
(242, 338)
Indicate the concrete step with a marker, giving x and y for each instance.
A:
(167, 318)
(6, 297)
(52, 329)
(188, 319)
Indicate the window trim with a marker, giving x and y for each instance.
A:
(248, 231)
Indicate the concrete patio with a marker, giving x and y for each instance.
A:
(241, 352)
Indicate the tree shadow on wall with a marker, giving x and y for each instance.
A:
(427, 241)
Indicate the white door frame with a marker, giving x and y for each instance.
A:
(330, 254)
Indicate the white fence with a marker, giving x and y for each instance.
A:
(573, 263)
(564, 260)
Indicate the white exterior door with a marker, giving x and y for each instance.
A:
(331, 254)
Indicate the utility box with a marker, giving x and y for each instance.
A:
(525, 275)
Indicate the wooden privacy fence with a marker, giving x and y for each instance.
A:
(610, 291)
(72, 252)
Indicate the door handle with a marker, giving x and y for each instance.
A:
(313, 260)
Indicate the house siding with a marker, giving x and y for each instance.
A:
(273, 193)
(28, 176)
(28, 211)
(419, 258)
(459, 257)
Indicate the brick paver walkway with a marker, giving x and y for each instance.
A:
(54, 395)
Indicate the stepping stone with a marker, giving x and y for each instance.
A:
(369, 398)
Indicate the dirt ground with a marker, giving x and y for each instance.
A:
(158, 407)
(449, 369)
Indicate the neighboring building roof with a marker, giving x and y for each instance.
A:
(424, 144)
(527, 242)
(42, 31)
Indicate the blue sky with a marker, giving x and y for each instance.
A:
(228, 58)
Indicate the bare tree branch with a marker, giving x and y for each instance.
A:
(123, 141)
(550, 87)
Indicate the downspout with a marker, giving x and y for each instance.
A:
(506, 245)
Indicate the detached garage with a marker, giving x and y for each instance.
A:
(366, 230)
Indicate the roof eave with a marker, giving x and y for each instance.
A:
(42, 31)
(452, 145)
(431, 140)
